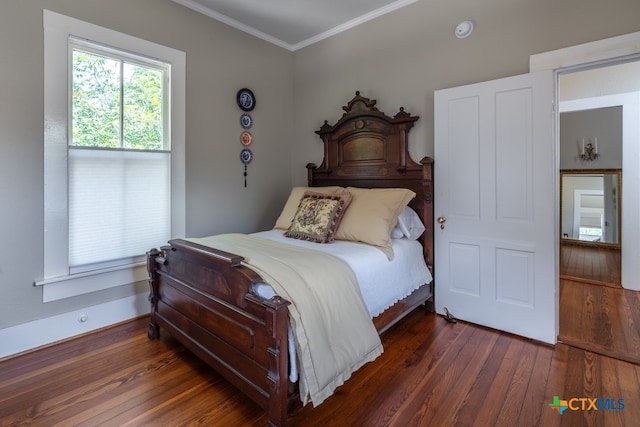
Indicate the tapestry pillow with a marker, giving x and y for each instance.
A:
(372, 214)
(318, 216)
(291, 206)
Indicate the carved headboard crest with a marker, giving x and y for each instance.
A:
(365, 141)
(359, 104)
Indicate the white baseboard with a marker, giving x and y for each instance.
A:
(31, 335)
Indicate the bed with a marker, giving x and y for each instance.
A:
(215, 295)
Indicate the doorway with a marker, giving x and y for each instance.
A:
(595, 312)
(599, 109)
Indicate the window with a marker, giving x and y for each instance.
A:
(117, 143)
(114, 155)
(591, 233)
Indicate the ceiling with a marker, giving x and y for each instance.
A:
(293, 24)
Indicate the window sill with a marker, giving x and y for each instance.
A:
(57, 288)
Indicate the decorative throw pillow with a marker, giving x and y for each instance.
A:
(291, 206)
(318, 216)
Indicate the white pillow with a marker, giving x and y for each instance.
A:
(409, 225)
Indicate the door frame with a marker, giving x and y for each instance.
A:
(601, 52)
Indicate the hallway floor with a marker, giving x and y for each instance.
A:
(596, 313)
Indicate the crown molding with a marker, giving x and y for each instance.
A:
(293, 47)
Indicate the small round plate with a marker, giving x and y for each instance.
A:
(246, 100)
(246, 121)
(246, 138)
(246, 155)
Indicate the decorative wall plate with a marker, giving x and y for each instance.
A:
(246, 155)
(245, 99)
(246, 138)
(246, 121)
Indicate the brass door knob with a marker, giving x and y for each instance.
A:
(441, 221)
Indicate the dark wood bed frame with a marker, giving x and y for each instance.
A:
(202, 296)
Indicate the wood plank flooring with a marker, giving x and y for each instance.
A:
(600, 318)
(596, 313)
(591, 264)
(431, 373)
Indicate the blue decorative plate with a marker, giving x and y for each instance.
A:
(246, 121)
(246, 156)
(245, 99)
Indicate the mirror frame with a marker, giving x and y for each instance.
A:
(617, 172)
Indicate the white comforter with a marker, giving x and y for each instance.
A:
(382, 282)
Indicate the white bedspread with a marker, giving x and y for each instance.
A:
(382, 282)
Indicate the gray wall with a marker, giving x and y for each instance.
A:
(399, 59)
(220, 60)
(602, 123)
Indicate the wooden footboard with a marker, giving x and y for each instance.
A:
(203, 298)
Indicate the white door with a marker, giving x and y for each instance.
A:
(495, 252)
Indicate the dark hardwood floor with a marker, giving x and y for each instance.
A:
(598, 265)
(432, 373)
(600, 318)
(596, 313)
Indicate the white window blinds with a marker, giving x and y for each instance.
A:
(119, 205)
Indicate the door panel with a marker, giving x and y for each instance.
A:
(495, 254)
(465, 268)
(514, 282)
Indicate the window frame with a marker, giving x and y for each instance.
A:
(56, 281)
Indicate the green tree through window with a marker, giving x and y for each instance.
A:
(115, 103)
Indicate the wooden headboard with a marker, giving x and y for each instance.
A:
(366, 148)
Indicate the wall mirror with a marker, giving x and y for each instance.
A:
(590, 206)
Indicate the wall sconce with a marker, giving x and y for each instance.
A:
(589, 150)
